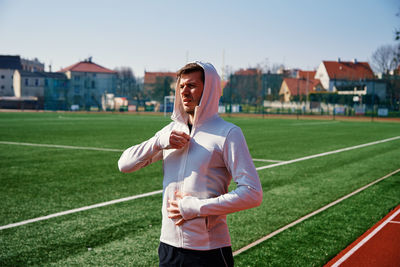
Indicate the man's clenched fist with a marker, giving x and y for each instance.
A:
(178, 140)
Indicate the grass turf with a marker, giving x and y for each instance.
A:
(39, 181)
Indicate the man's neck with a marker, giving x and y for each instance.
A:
(191, 118)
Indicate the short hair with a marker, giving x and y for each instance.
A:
(190, 68)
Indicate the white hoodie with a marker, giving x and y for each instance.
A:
(203, 169)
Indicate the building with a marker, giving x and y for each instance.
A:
(28, 83)
(251, 86)
(88, 82)
(32, 65)
(337, 76)
(8, 64)
(156, 85)
(49, 89)
(301, 86)
(56, 87)
(350, 78)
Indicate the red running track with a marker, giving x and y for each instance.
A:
(379, 246)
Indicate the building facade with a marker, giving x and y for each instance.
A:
(157, 85)
(8, 64)
(49, 89)
(350, 78)
(32, 65)
(88, 82)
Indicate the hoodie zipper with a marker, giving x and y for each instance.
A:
(181, 179)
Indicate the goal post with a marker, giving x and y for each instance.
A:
(169, 102)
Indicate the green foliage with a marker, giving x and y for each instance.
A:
(163, 87)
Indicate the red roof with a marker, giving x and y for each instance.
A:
(248, 72)
(306, 74)
(150, 77)
(347, 70)
(87, 66)
(301, 85)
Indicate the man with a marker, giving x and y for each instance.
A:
(201, 154)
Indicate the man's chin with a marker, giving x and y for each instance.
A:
(189, 110)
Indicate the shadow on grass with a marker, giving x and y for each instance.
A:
(52, 251)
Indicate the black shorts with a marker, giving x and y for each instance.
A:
(173, 256)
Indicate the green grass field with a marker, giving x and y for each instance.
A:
(38, 181)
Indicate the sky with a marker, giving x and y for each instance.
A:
(162, 35)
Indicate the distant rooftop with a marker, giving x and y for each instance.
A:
(87, 66)
(349, 70)
(10, 62)
(151, 77)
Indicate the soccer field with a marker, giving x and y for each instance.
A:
(58, 162)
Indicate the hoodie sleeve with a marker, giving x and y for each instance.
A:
(248, 193)
(141, 155)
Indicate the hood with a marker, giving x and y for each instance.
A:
(208, 106)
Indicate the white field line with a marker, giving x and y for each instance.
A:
(91, 148)
(327, 153)
(80, 209)
(365, 240)
(61, 146)
(313, 123)
(312, 214)
(133, 197)
(394, 222)
(267, 160)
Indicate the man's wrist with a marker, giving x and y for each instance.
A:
(189, 207)
(163, 140)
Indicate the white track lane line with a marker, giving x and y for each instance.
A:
(312, 214)
(133, 197)
(365, 240)
(80, 209)
(327, 153)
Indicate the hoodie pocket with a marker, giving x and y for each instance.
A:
(210, 221)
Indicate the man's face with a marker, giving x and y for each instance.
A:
(191, 89)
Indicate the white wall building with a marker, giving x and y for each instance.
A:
(8, 64)
(335, 75)
(28, 83)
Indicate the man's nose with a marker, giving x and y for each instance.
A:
(185, 90)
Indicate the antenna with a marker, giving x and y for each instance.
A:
(223, 66)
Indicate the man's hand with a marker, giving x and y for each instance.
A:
(173, 209)
(178, 140)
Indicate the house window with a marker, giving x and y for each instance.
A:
(77, 78)
(36, 82)
(26, 82)
(93, 84)
(2, 87)
(2, 76)
(76, 89)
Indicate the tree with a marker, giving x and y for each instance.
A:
(127, 85)
(163, 87)
(385, 58)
